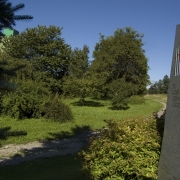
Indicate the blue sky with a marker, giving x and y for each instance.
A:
(83, 20)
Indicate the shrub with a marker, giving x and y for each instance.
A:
(136, 99)
(19, 105)
(129, 150)
(25, 102)
(55, 110)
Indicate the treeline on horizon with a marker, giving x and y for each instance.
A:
(159, 87)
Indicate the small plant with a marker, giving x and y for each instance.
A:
(136, 100)
(128, 150)
(55, 110)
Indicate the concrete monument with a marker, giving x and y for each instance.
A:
(169, 164)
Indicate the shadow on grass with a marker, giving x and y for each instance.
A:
(6, 132)
(119, 108)
(46, 149)
(87, 103)
(66, 134)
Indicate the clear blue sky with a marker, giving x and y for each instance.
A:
(83, 20)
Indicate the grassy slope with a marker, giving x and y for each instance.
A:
(89, 116)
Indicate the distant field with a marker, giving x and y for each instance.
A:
(90, 116)
(158, 97)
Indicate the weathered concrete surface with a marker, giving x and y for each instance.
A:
(169, 164)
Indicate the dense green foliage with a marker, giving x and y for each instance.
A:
(77, 82)
(25, 102)
(160, 87)
(129, 149)
(120, 56)
(45, 50)
(119, 92)
(55, 110)
(45, 59)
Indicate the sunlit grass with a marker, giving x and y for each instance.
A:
(157, 97)
(92, 116)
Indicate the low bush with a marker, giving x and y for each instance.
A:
(20, 106)
(55, 110)
(128, 150)
(25, 102)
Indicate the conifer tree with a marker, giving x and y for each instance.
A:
(7, 15)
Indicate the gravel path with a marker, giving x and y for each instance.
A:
(14, 154)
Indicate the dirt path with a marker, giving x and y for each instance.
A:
(15, 154)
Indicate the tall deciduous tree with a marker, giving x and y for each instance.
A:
(120, 56)
(77, 83)
(7, 15)
(44, 48)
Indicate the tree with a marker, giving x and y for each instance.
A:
(7, 20)
(165, 84)
(7, 16)
(77, 83)
(45, 50)
(160, 87)
(120, 56)
(153, 89)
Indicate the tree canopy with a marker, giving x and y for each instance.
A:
(77, 83)
(120, 56)
(45, 50)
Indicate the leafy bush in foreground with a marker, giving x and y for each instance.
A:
(129, 150)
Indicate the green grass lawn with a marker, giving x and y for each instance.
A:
(64, 167)
(90, 116)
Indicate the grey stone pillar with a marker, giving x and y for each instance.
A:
(169, 164)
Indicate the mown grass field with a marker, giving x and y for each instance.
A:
(66, 167)
(91, 116)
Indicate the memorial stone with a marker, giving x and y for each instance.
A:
(169, 164)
